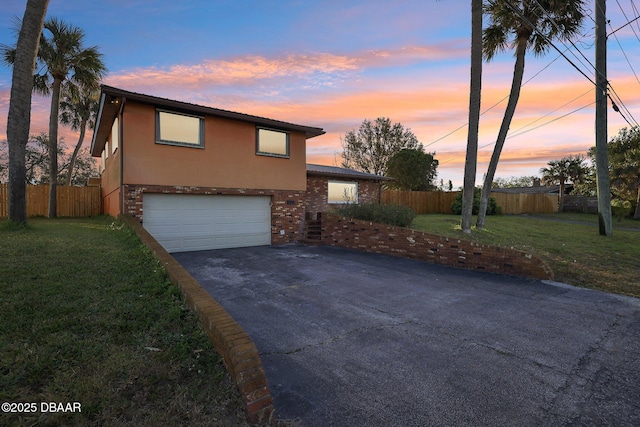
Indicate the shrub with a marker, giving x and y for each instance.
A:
(400, 216)
(492, 207)
(620, 208)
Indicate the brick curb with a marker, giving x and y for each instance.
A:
(238, 351)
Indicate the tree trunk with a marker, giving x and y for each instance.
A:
(53, 146)
(636, 215)
(19, 117)
(471, 160)
(561, 207)
(72, 162)
(514, 95)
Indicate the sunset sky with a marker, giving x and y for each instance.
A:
(332, 64)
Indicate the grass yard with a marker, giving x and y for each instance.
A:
(569, 243)
(89, 316)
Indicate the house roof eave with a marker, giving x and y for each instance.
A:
(336, 172)
(107, 112)
(114, 92)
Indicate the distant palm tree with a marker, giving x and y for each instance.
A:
(570, 168)
(22, 57)
(78, 109)
(523, 25)
(62, 57)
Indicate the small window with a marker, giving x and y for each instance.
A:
(114, 136)
(179, 129)
(272, 143)
(342, 192)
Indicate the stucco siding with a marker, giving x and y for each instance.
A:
(110, 181)
(228, 159)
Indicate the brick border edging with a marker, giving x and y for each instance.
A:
(238, 351)
(404, 242)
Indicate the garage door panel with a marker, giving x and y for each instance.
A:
(172, 244)
(182, 222)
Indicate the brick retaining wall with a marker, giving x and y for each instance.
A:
(385, 239)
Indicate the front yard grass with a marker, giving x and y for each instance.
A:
(569, 243)
(89, 316)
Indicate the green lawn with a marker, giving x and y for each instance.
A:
(89, 316)
(569, 243)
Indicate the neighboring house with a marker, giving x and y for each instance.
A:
(199, 177)
(328, 187)
(536, 188)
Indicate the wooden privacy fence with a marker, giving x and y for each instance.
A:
(71, 201)
(440, 201)
(421, 201)
(526, 203)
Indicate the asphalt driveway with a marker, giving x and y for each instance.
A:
(354, 339)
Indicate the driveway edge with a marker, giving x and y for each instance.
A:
(238, 351)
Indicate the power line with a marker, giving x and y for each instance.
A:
(635, 10)
(553, 21)
(561, 54)
(551, 112)
(615, 107)
(629, 21)
(529, 130)
(553, 120)
(528, 22)
(494, 105)
(534, 28)
(626, 57)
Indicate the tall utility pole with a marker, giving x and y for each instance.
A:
(602, 157)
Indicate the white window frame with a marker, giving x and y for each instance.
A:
(263, 151)
(343, 185)
(181, 143)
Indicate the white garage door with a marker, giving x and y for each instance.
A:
(185, 222)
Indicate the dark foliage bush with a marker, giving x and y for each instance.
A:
(492, 207)
(400, 216)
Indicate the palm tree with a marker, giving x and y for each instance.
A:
(23, 60)
(63, 57)
(571, 168)
(471, 160)
(78, 109)
(523, 25)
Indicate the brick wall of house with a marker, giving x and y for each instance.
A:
(404, 242)
(368, 191)
(287, 207)
(317, 188)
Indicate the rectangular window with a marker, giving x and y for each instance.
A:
(342, 192)
(179, 129)
(114, 136)
(271, 142)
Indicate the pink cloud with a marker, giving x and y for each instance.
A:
(432, 103)
(252, 69)
(240, 70)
